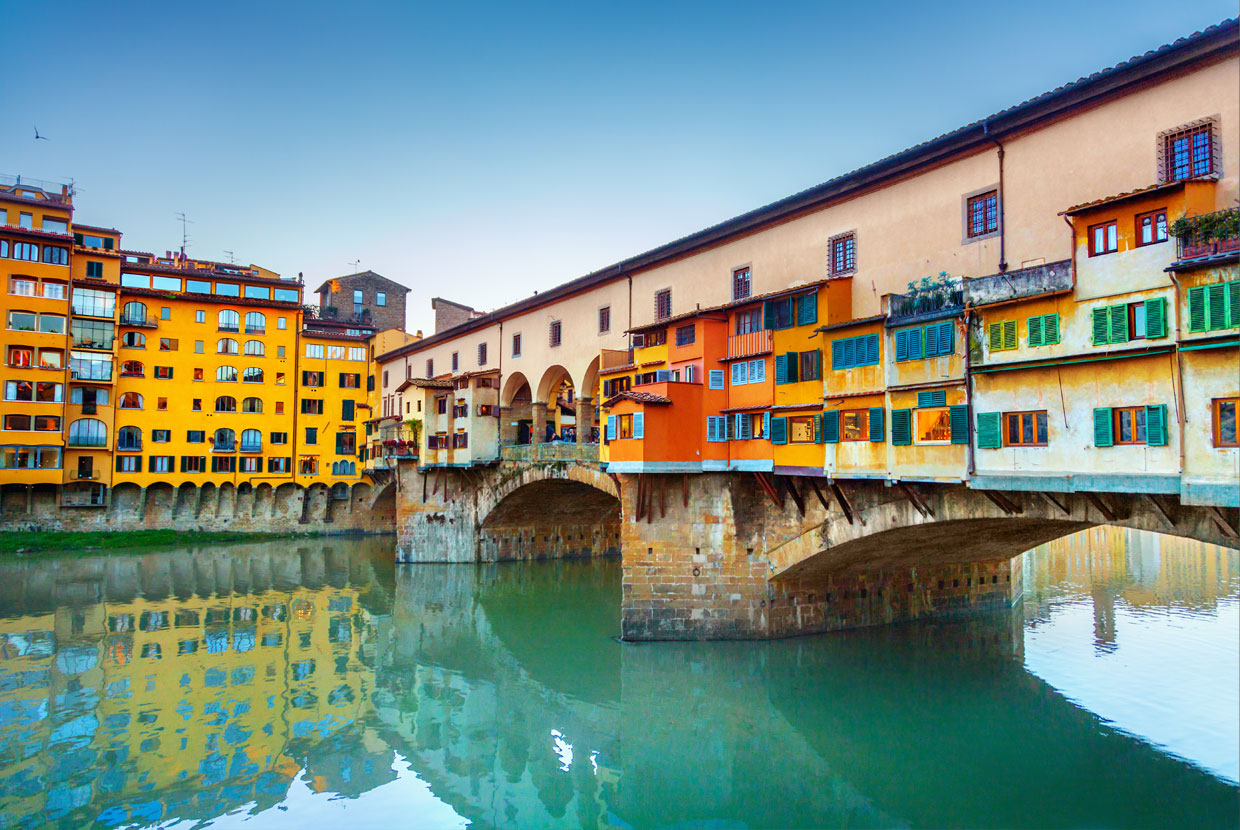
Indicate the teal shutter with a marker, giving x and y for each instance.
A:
(1100, 326)
(914, 345)
(901, 427)
(738, 426)
(831, 427)
(1050, 329)
(779, 430)
(1156, 425)
(792, 361)
(611, 427)
(1155, 317)
(960, 424)
(932, 397)
(1119, 323)
(1197, 309)
(781, 368)
(346, 410)
(871, 352)
(939, 339)
(1036, 335)
(817, 429)
(807, 309)
(901, 345)
(989, 430)
(878, 430)
(766, 425)
(768, 314)
(1104, 435)
(837, 354)
(639, 425)
(1232, 292)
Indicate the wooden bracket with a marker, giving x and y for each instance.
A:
(790, 482)
(1101, 505)
(662, 497)
(770, 491)
(818, 492)
(1219, 519)
(424, 477)
(844, 505)
(1002, 502)
(684, 486)
(1063, 506)
(1162, 511)
(921, 506)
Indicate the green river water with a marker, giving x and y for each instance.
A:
(312, 683)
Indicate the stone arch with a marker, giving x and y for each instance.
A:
(264, 496)
(126, 499)
(187, 496)
(161, 500)
(226, 501)
(589, 386)
(208, 495)
(516, 388)
(550, 382)
(549, 511)
(385, 491)
(585, 477)
(360, 495)
(285, 503)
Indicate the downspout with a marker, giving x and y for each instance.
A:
(1002, 225)
(1181, 416)
(629, 327)
(970, 458)
(499, 395)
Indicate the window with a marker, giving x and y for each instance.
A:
(169, 344)
(224, 440)
(281, 323)
(1225, 434)
(196, 405)
(226, 374)
(161, 464)
(27, 251)
(843, 254)
(128, 463)
(30, 458)
(133, 314)
(855, 424)
(278, 465)
(811, 365)
(193, 464)
(93, 303)
(749, 321)
(1024, 429)
(314, 350)
(223, 464)
(161, 436)
(312, 435)
(1002, 335)
(165, 313)
(55, 290)
(255, 323)
(350, 380)
(91, 366)
(851, 352)
(252, 405)
(87, 432)
(22, 287)
(229, 320)
(252, 374)
(933, 425)
(132, 369)
(51, 359)
(742, 283)
(23, 321)
(251, 440)
(255, 348)
(663, 304)
(226, 345)
(357, 353)
(94, 270)
(129, 438)
(482, 354)
(779, 313)
(1152, 227)
(685, 335)
(200, 316)
(308, 465)
(1103, 238)
(55, 255)
(129, 340)
(195, 436)
(279, 407)
(279, 438)
(312, 379)
(335, 352)
(280, 351)
(130, 400)
(21, 357)
(556, 332)
(1043, 330)
(20, 423)
(430, 368)
(1187, 152)
(199, 347)
(1214, 307)
(225, 403)
(346, 443)
(163, 372)
(380, 298)
(801, 429)
(1121, 323)
(1130, 425)
(982, 214)
(311, 406)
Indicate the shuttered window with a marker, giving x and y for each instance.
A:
(960, 424)
(851, 352)
(716, 431)
(830, 427)
(878, 430)
(787, 368)
(1130, 425)
(778, 314)
(1043, 330)
(1002, 335)
(639, 425)
(757, 371)
(715, 379)
(932, 397)
(807, 309)
(611, 427)
(940, 339)
(779, 430)
(908, 344)
(901, 427)
(1214, 307)
(989, 432)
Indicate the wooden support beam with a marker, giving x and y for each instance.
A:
(684, 486)
(822, 499)
(790, 482)
(1162, 511)
(770, 491)
(844, 505)
(921, 506)
(662, 497)
(1063, 506)
(1219, 519)
(424, 478)
(1101, 505)
(1001, 501)
(641, 491)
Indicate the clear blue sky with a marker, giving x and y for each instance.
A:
(482, 151)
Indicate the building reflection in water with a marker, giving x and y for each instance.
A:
(187, 685)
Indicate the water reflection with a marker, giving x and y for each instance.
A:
(295, 684)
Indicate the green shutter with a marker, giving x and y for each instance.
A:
(960, 423)
(1050, 329)
(768, 314)
(1119, 323)
(779, 430)
(1156, 425)
(1233, 303)
(1101, 328)
(781, 368)
(989, 430)
(1009, 334)
(807, 309)
(996, 336)
(1216, 307)
(831, 427)
(878, 430)
(1036, 337)
(793, 361)
(1197, 309)
(915, 344)
(1104, 435)
(932, 397)
(817, 429)
(1155, 317)
(901, 427)
(901, 345)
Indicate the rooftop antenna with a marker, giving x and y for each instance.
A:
(232, 260)
(184, 231)
(356, 264)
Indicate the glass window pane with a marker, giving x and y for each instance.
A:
(135, 280)
(1026, 423)
(1042, 428)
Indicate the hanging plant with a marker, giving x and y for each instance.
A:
(1210, 227)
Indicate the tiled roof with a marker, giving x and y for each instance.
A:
(850, 323)
(424, 383)
(1131, 194)
(646, 398)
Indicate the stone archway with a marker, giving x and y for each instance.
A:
(555, 405)
(549, 511)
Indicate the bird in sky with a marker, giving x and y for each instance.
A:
(37, 136)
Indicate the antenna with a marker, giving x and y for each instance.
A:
(185, 222)
(356, 264)
(232, 260)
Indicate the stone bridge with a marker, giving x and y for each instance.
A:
(754, 555)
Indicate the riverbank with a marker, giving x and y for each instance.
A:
(35, 543)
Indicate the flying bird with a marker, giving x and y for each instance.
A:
(37, 136)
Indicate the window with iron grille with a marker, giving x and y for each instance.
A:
(843, 254)
(663, 304)
(982, 214)
(482, 354)
(516, 345)
(556, 331)
(430, 368)
(456, 361)
(604, 319)
(1187, 152)
(742, 283)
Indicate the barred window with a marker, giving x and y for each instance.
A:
(843, 254)
(982, 214)
(1187, 153)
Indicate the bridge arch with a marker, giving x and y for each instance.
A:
(516, 388)
(544, 479)
(552, 379)
(589, 382)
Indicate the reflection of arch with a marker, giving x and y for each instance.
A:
(516, 388)
(551, 381)
(589, 383)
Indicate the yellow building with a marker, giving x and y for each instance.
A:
(333, 365)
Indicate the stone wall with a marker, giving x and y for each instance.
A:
(287, 508)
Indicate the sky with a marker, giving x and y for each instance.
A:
(482, 151)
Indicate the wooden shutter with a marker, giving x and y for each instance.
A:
(901, 345)
(1104, 433)
(807, 309)
(831, 427)
(346, 410)
(1156, 425)
(1050, 329)
(1036, 336)
(1155, 317)
(901, 427)
(1197, 309)
(781, 369)
(878, 430)
(989, 430)
(1232, 294)
(611, 427)
(716, 378)
(932, 397)
(818, 429)
(119, 460)
(792, 360)
(960, 424)
(779, 430)
(639, 425)
(1009, 334)
(871, 354)
(1216, 307)
(995, 335)
(1119, 323)
(738, 374)
(757, 371)
(768, 314)
(915, 345)
(766, 425)
(1101, 328)
(837, 354)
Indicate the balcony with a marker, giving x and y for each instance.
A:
(252, 447)
(931, 297)
(1207, 235)
(1049, 278)
(750, 343)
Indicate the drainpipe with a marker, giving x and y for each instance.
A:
(630, 325)
(499, 395)
(968, 392)
(1181, 416)
(1002, 229)
(1072, 250)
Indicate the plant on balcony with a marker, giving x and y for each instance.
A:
(1210, 227)
(929, 294)
(414, 425)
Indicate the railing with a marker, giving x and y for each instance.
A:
(1050, 278)
(934, 299)
(138, 322)
(613, 358)
(1208, 234)
(251, 447)
(750, 343)
(556, 451)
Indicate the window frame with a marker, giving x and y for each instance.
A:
(742, 276)
(1139, 433)
(918, 412)
(1113, 224)
(849, 255)
(863, 417)
(967, 201)
(1153, 216)
(1216, 423)
(1020, 414)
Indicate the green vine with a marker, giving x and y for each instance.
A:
(1211, 227)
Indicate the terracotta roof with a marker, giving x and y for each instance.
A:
(647, 398)
(609, 370)
(476, 373)
(424, 383)
(757, 298)
(762, 408)
(861, 321)
(202, 273)
(37, 234)
(333, 335)
(1156, 64)
(1131, 194)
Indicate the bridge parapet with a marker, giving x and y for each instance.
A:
(555, 451)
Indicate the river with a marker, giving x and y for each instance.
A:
(312, 683)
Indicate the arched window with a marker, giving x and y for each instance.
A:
(229, 320)
(255, 323)
(133, 312)
(252, 440)
(129, 438)
(252, 375)
(132, 369)
(226, 345)
(226, 374)
(87, 432)
(252, 405)
(255, 348)
(224, 440)
(224, 403)
(133, 340)
(130, 400)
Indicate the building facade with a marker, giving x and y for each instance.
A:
(364, 297)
